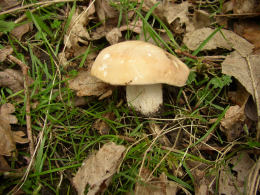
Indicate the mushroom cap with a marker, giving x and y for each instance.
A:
(139, 63)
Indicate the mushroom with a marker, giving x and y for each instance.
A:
(143, 68)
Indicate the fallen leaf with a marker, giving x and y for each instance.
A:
(230, 41)
(5, 4)
(155, 186)
(240, 96)
(251, 109)
(77, 33)
(105, 10)
(244, 6)
(250, 30)
(19, 31)
(202, 184)
(6, 111)
(87, 85)
(98, 169)
(9, 138)
(156, 131)
(113, 36)
(201, 19)
(101, 125)
(237, 66)
(233, 122)
(12, 79)
(171, 13)
(4, 52)
(234, 174)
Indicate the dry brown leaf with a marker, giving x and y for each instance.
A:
(233, 122)
(5, 52)
(3, 164)
(244, 6)
(233, 176)
(98, 169)
(250, 30)
(237, 66)
(155, 186)
(5, 4)
(101, 125)
(172, 13)
(77, 33)
(201, 19)
(231, 41)
(105, 10)
(19, 31)
(113, 36)
(8, 137)
(87, 85)
(5, 112)
(156, 131)
(12, 79)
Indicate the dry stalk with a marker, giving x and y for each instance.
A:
(25, 68)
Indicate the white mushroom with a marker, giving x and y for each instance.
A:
(142, 67)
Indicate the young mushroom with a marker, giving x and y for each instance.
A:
(143, 68)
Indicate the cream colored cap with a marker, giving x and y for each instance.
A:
(139, 63)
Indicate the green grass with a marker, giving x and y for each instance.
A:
(66, 135)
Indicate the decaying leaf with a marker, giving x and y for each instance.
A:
(229, 41)
(98, 169)
(250, 30)
(3, 164)
(5, 52)
(9, 138)
(171, 13)
(5, 4)
(233, 122)
(77, 32)
(19, 31)
(105, 10)
(201, 19)
(156, 131)
(233, 176)
(101, 125)
(244, 6)
(12, 79)
(113, 36)
(87, 85)
(239, 67)
(156, 186)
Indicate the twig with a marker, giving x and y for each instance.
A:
(195, 57)
(256, 97)
(25, 68)
(35, 4)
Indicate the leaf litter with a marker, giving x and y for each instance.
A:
(97, 170)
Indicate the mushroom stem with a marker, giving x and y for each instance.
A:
(144, 98)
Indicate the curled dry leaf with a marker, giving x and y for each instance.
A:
(5, 52)
(87, 85)
(113, 36)
(101, 125)
(237, 66)
(19, 31)
(98, 169)
(244, 6)
(13, 79)
(9, 138)
(233, 122)
(201, 19)
(77, 32)
(229, 41)
(234, 174)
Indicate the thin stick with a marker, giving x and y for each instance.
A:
(25, 68)
(256, 97)
(35, 4)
